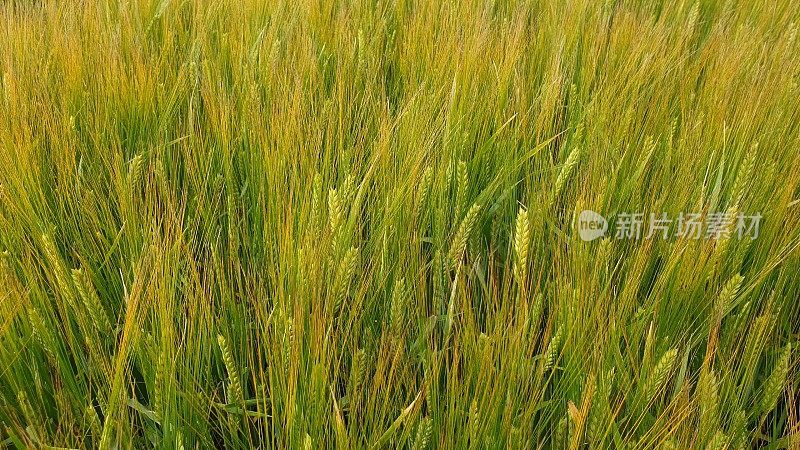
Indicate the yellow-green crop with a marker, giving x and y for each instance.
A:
(319, 224)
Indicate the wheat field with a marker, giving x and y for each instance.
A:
(359, 224)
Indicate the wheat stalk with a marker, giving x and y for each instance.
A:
(234, 386)
(708, 400)
(459, 244)
(316, 205)
(521, 244)
(744, 175)
(135, 171)
(56, 265)
(727, 296)
(423, 192)
(335, 214)
(91, 300)
(461, 188)
(566, 172)
(41, 331)
(776, 381)
(398, 308)
(553, 349)
(659, 375)
(344, 275)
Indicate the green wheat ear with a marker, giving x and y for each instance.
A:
(600, 414)
(474, 419)
(561, 433)
(399, 305)
(532, 318)
(57, 266)
(738, 430)
(754, 341)
(91, 300)
(776, 381)
(288, 344)
(335, 215)
(41, 332)
(424, 191)
(521, 244)
(344, 275)
(135, 171)
(718, 442)
(461, 188)
(708, 400)
(743, 176)
(459, 244)
(553, 348)
(423, 437)
(659, 375)
(357, 371)
(348, 190)
(234, 386)
(316, 205)
(566, 172)
(727, 295)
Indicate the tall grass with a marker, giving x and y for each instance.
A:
(351, 224)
